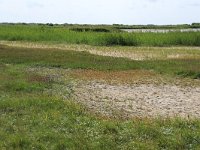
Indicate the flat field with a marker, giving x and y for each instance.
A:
(63, 95)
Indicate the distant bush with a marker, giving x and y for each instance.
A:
(195, 25)
(50, 24)
(118, 39)
(90, 29)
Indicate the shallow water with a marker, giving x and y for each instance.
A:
(161, 30)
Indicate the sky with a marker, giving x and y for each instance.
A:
(101, 11)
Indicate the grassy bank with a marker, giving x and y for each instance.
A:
(65, 35)
(33, 118)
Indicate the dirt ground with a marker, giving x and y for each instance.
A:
(139, 100)
(137, 93)
(127, 94)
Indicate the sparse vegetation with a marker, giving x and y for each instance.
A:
(84, 60)
(33, 118)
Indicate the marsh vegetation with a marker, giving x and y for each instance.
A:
(112, 37)
(67, 89)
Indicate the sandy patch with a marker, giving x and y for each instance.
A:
(130, 52)
(139, 100)
(126, 94)
(182, 56)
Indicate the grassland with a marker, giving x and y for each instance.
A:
(34, 118)
(65, 35)
(83, 60)
(39, 121)
(37, 110)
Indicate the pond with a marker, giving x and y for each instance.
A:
(161, 30)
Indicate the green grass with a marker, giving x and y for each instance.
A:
(65, 35)
(33, 115)
(43, 122)
(84, 60)
(34, 119)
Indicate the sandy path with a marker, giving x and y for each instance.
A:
(140, 100)
(90, 49)
(130, 52)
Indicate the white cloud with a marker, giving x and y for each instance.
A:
(195, 5)
(152, 0)
(101, 11)
(34, 5)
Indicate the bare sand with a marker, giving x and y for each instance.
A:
(127, 94)
(139, 100)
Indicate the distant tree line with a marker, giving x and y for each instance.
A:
(107, 28)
